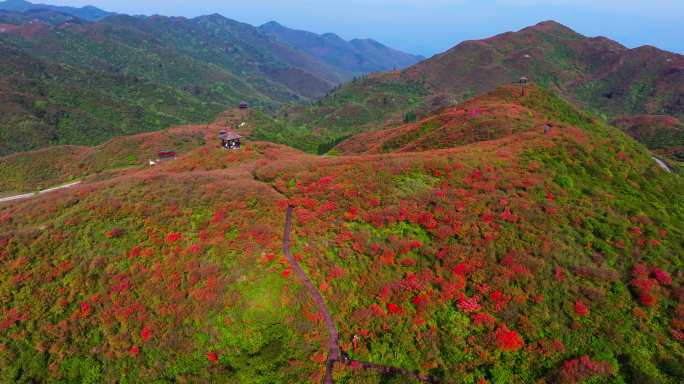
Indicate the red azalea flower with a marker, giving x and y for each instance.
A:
(469, 304)
(393, 308)
(508, 340)
(663, 277)
(581, 309)
(173, 237)
(146, 333)
(85, 309)
(212, 356)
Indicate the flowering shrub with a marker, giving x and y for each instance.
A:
(583, 368)
(647, 287)
(483, 319)
(146, 333)
(581, 309)
(471, 304)
(394, 309)
(663, 277)
(499, 299)
(507, 340)
(173, 237)
(114, 233)
(85, 309)
(6, 217)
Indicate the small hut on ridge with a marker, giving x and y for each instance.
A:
(229, 140)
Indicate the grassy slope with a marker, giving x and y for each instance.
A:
(82, 106)
(51, 166)
(354, 108)
(405, 248)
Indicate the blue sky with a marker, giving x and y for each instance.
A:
(431, 26)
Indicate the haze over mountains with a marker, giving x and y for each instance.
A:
(356, 56)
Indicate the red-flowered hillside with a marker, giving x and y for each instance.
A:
(497, 114)
(507, 257)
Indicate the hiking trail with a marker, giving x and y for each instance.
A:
(334, 352)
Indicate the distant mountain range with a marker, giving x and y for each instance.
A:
(357, 56)
(68, 80)
(597, 73)
(89, 13)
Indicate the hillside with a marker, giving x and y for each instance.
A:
(356, 57)
(68, 81)
(597, 73)
(511, 256)
(663, 134)
(491, 116)
(35, 170)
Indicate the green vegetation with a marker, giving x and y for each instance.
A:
(89, 82)
(361, 105)
(45, 168)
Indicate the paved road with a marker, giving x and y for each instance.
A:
(334, 354)
(30, 195)
(662, 164)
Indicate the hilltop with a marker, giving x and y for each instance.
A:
(495, 252)
(494, 115)
(595, 72)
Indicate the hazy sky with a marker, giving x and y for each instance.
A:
(431, 26)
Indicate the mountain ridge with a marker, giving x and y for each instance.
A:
(87, 12)
(594, 72)
(356, 56)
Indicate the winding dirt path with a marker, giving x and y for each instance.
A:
(32, 194)
(334, 353)
(333, 344)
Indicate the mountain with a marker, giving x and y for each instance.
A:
(478, 248)
(14, 20)
(356, 57)
(597, 73)
(69, 81)
(89, 13)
